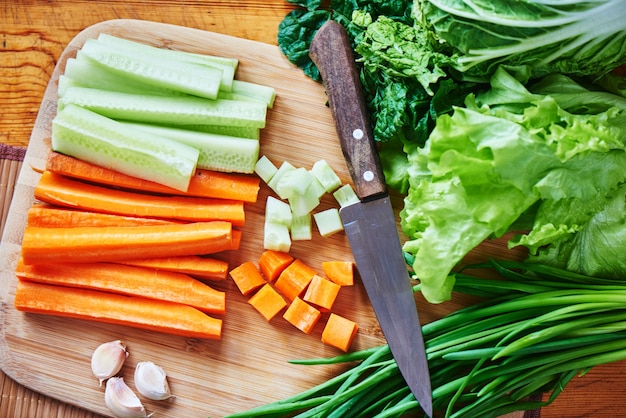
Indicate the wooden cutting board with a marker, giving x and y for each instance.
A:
(249, 365)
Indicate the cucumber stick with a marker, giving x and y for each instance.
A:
(188, 77)
(183, 110)
(97, 139)
(217, 152)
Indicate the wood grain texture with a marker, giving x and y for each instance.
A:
(33, 35)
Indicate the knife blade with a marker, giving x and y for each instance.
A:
(370, 225)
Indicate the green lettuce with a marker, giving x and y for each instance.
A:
(508, 152)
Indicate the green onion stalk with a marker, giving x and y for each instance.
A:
(529, 335)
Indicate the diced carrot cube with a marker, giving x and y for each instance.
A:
(267, 301)
(302, 315)
(321, 292)
(272, 263)
(294, 279)
(340, 272)
(247, 277)
(339, 332)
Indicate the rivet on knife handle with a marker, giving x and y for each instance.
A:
(332, 54)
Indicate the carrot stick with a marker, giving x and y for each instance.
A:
(59, 190)
(247, 277)
(340, 272)
(201, 267)
(205, 183)
(54, 217)
(302, 315)
(154, 315)
(339, 332)
(272, 263)
(294, 279)
(322, 293)
(267, 301)
(115, 243)
(128, 280)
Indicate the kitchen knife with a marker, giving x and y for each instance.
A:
(370, 225)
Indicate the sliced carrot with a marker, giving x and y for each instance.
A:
(302, 315)
(247, 277)
(294, 279)
(340, 272)
(272, 263)
(63, 191)
(204, 183)
(206, 268)
(115, 243)
(339, 332)
(93, 305)
(53, 216)
(322, 293)
(128, 280)
(236, 240)
(267, 301)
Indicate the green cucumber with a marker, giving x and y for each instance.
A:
(187, 77)
(217, 152)
(265, 169)
(345, 196)
(301, 228)
(97, 139)
(184, 110)
(328, 222)
(228, 66)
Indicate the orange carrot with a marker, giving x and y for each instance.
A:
(201, 267)
(339, 332)
(267, 301)
(247, 277)
(116, 243)
(272, 263)
(93, 305)
(322, 293)
(59, 190)
(294, 279)
(128, 280)
(340, 272)
(53, 216)
(204, 183)
(302, 315)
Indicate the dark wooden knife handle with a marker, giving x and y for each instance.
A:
(331, 52)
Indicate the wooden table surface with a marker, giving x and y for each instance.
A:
(32, 36)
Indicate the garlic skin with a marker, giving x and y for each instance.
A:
(107, 359)
(122, 401)
(151, 381)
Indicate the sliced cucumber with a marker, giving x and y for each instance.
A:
(277, 211)
(91, 137)
(345, 196)
(301, 228)
(265, 169)
(217, 152)
(276, 237)
(328, 222)
(185, 110)
(187, 77)
(326, 175)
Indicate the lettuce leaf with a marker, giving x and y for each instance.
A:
(484, 166)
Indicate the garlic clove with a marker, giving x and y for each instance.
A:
(107, 359)
(151, 381)
(122, 401)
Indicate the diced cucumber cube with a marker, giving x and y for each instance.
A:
(277, 211)
(265, 169)
(294, 182)
(316, 187)
(302, 204)
(301, 228)
(276, 237)
(326, 175)
(273, 183)
(345, 196)
(328, 222)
